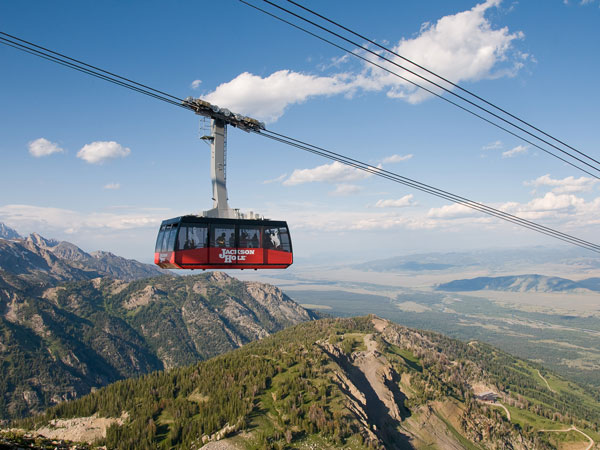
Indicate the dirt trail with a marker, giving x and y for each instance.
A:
(545, 381)
(497, 404)
(573, 428)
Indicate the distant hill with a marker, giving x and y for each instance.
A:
(492, 259)
(520, 283)
(336, 383)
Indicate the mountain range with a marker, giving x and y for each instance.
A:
(72, 321)
(358, 383)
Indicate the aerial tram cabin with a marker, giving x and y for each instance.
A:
(195, 242)
(222, 238)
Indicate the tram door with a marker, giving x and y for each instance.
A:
(231, 245)
(223, 248)
(250, 248)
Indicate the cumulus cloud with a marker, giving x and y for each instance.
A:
(112, 186)
(515, 151)
(549, 203)
(452, 211)
(396, 158)
(564, 186)
(101, 151)
(266, 98)
(461, 47)
(335, 172)
(43, 147)
(196, 84)
(396, 203)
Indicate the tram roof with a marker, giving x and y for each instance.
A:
(215, 220)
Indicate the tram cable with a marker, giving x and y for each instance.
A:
(466, 91)
(429, 189)
(41, 52)
(591, 166)
(80, 66)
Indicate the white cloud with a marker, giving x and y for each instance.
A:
(461, 47)
(497, 145)
(112, 186)
(345, 189)
(267, 98)
(396, 203)
(396, 158)
(196, 84)
(452, 211)
(549, 203)
(335, 172)
(515, 151)
(43, 147)
(279, 179)
(101, 151)
(41, 218)
(565, 185)
(553, 202)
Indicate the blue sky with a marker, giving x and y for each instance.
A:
(101, 166)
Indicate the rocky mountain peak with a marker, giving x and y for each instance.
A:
(7, 232)
(219, 277)
(41, 241)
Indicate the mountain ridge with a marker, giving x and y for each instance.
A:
(339, 383)
(72, 321)
(520, 283)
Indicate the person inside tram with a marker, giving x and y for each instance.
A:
(244, 239)
(255, 241)
(232, 240)
(221, 240)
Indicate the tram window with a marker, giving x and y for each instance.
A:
(159, 239)
(222, 236)
(284, 237)
(171, 241)
(191, 236)
(167, 230)
(249, 237)
(271, 239)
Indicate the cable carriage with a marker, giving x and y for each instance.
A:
(195, 242)
(222, 237)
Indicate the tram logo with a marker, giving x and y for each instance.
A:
(231, 255)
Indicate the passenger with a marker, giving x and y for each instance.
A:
(274, 235)
(232, 240)
(221, 240)
(255, 241)
(244, 240)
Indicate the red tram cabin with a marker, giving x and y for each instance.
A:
(194, 242)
